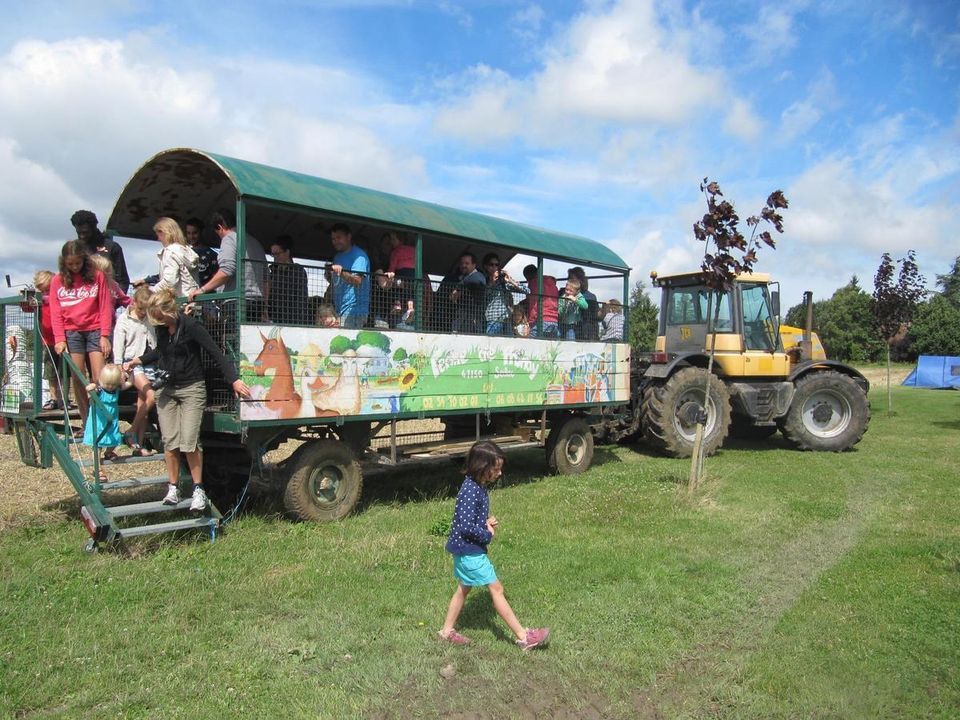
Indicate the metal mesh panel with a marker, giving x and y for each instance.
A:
(311, 296)
(20, 388)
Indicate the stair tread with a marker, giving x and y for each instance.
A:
(138, 482)
(144, 508)
(123, 460)
(200, 522)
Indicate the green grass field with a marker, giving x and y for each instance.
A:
(793, 585)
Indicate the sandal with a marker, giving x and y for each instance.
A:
(51, 405)
(140, 451)
(110, 456)
(102, 477)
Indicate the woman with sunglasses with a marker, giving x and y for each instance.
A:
(498, 297)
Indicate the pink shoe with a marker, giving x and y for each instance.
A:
(454, 637)
(535, 638)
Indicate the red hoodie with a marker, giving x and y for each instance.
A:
(46, 325)
(84, 307)
(550, 294)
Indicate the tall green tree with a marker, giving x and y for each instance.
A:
(844, 324)
(949, 283)
(936, 327)
(894, 303)
(643, 320)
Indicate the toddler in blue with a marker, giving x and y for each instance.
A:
(472, 530)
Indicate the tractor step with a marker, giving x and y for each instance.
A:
(136, 482)
(123, 460)
(146, 508)
(211, 523)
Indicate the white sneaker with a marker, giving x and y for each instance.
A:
(173, 495)
(199, 502)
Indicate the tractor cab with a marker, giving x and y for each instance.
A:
(743, 320)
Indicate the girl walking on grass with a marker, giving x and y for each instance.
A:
(472, 530)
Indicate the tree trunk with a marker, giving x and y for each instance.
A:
(889, 392)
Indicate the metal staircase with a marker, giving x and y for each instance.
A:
(106, 521)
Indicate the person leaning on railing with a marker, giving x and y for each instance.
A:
(183, 397)
(224, 225)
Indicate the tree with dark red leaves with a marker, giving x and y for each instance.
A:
(894, 303)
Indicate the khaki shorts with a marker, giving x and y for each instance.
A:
(180, 410)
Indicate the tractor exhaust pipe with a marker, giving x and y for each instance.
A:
(806, 344)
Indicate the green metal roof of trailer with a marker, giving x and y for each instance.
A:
(183, 183)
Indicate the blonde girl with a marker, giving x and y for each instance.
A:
(81, 313)
(132, 337)
(119, 297)
(182, 400)
(107, 425)
(178, 261)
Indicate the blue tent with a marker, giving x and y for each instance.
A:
(935, 371)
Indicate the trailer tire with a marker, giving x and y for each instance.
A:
(570, 447)
(670, 408)
(829, 412)
(325, 482)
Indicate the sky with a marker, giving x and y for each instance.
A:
(599, 118)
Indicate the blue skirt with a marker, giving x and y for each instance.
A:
(474, 570)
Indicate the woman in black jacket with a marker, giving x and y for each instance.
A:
(183, 397)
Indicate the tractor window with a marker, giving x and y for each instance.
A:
(758, 327)
(688, 306)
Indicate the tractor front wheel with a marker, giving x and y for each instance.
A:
(829, 412)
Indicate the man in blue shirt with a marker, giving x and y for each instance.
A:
(351, 279)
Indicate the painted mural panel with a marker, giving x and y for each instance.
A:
(321, 372)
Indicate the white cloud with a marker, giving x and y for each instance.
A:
(464, 19)
(525, 23)
(801, 116)
(742, 122)
(489, 113)
(621, 66)
(80, 115)
(771, 35)
(614, 65)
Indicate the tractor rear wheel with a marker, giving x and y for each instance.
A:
(829, 412)
(325, 482)
(670, 411)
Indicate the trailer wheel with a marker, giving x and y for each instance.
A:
(670, 412)
(325, 482)
(829, 412)
(570, 447)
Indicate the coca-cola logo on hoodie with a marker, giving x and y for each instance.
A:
(74, 296)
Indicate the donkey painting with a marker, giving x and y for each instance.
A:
(282, 397)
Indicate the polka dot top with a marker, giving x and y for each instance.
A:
(469, 534)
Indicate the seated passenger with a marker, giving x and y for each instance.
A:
(521, 328)
(407, 319)
(327, 316)
(589, 324)
(569, 309)
(547, 298)
(612, 323)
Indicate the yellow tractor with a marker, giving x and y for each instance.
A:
(765, 376)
